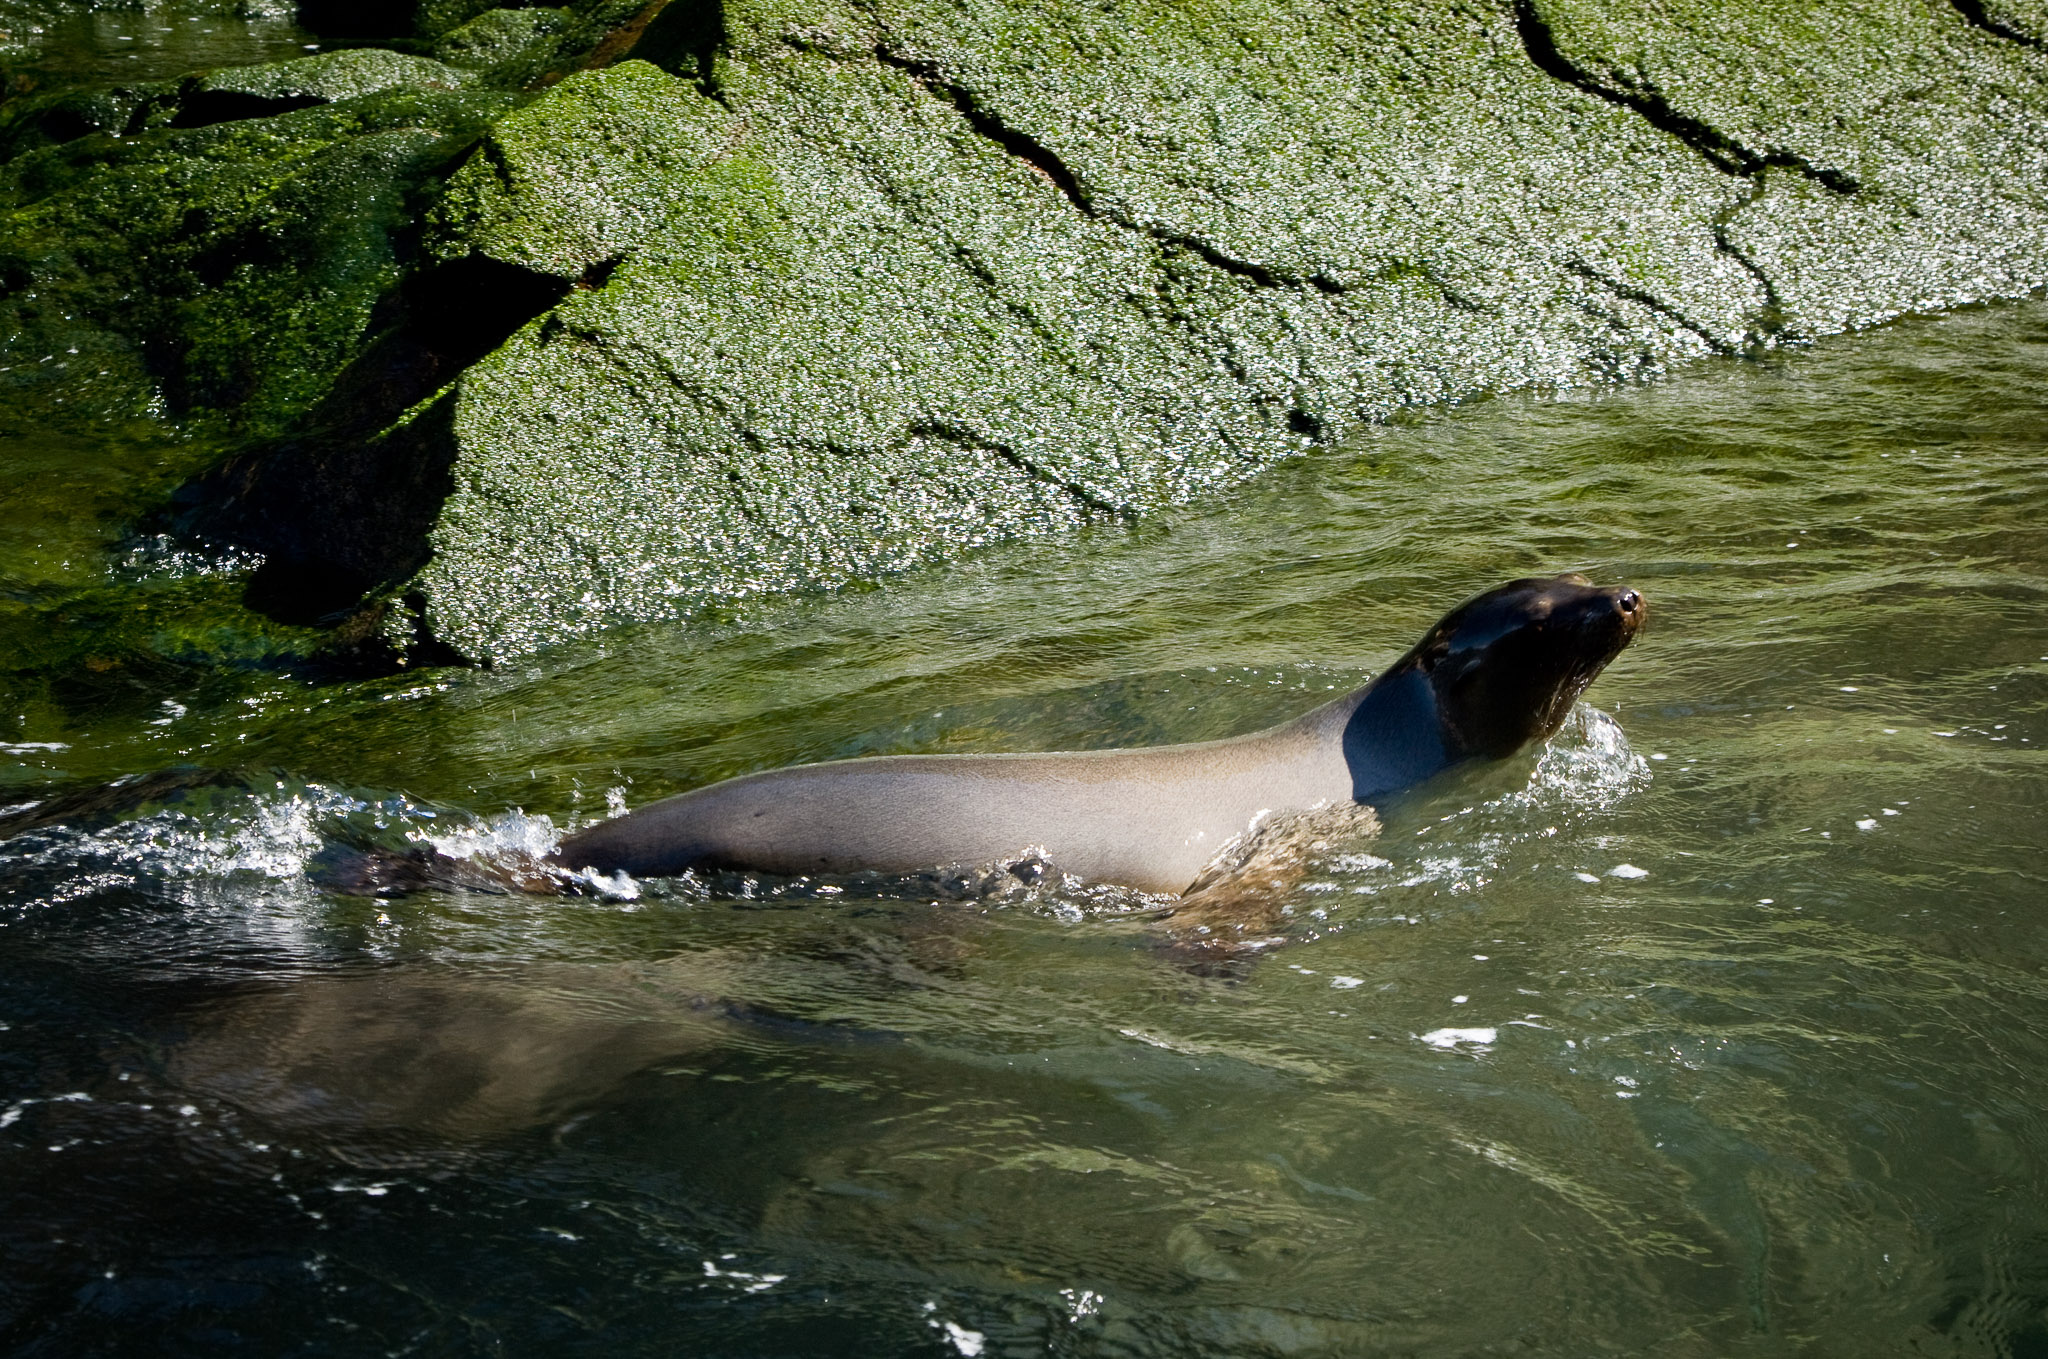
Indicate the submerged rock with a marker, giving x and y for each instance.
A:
(781, 293)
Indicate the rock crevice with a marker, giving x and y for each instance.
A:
(1640, 94)
(1047, 164)
(1645, 298)
(1979, 14)
(969, 440)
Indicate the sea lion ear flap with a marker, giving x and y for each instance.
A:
(1445, 667)
(1431, 650)
(1454, 678)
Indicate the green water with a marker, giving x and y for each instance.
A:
(1720, 1027)
(144, 43)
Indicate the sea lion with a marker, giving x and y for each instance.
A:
(1499, 671)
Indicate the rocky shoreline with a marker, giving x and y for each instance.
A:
(520, 323)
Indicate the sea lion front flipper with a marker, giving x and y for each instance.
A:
(1238, 904)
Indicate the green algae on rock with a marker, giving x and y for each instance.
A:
(193, 260)
(1897, 150)
(163, 254)
(229, 269)
(498, 36)
(895, 278)
(782, 293)
(324, 79)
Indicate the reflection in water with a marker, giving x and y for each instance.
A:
(422, 1048)
(105, 45)
(1723, 1036)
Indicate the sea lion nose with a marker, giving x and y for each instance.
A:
(1629, 601)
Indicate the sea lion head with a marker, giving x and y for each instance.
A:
(1506, 666)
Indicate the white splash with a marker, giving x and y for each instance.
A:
(1586, 769)
(272, 836)
(521, 842)
(1588, 764)
(513, 832)
(749, 1282)
(1459, 1038)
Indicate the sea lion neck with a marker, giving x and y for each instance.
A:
(1393, 735)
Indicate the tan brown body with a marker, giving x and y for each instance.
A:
(1499, 671)
(1149, 818)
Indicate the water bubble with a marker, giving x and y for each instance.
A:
(969, 1343)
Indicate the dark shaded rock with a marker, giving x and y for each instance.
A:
(374, 455)
(234, 249)
(227, 270)
(66, 115)
(382, 20)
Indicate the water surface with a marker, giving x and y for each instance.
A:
(1720, 1027)
(93, 46)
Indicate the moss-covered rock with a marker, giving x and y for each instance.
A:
(776, 293)
(2023, 21)
(228, 270)
(893, 282)
(1897, 152)
(849, 285)
(500, 36)
(199, 259)
(220, 274)
(255, 91)
(233, 94)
